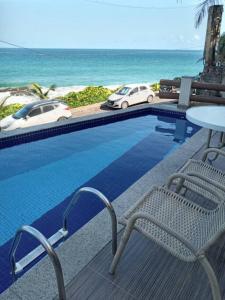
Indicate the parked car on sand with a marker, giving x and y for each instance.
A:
(37, 113)
(129, 95)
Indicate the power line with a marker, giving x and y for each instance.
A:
(21, 47)
(11, 44)
(107, 3)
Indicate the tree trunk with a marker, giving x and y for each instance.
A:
(212, 72)
(212, 35)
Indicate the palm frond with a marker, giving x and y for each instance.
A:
(3, 101)
(200, 60)
(36, 89)
(51, 88)
(202, 10)
(46, 94)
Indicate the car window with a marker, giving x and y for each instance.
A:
(47, 108)
(35, 112)
(123, 91)
(21, 113)
(134, 91)
(143, 88)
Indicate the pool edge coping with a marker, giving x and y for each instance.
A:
(19, 134)
(90, 117)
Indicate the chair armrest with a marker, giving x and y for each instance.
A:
(189, 178)
(212, 150)
(208, 180)
(141, 215)
(197, 253)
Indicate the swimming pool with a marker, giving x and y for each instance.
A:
(38, 178)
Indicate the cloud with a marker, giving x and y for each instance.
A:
(181, 37)
(196, 37)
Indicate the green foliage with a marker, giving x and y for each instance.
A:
(36, 89)
(9, 110)
(221, 48)
(88, 96)
(155, 86)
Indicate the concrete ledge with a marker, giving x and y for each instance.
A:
(78, 250)
(10, 295)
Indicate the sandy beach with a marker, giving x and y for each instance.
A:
(58, 92)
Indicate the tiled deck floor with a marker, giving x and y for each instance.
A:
(146, 271)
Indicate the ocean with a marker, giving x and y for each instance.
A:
(66, 67)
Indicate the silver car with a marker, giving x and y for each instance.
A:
(36, 113)
(129, 95)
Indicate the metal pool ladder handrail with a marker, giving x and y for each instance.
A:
(108, 205)
(48, 248)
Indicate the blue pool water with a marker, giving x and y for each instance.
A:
(37, 179)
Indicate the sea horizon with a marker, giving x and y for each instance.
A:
(73, 67)
(59, 48)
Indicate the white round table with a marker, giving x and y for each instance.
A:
(211, 117)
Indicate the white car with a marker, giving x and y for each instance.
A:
(36, 113)
(129, 95)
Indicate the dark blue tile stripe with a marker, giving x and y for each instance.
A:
(112, 181)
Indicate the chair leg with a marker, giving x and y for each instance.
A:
(215, 288)
(124, 239)
(179, 185)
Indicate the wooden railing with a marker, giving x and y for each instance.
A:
(195, 85)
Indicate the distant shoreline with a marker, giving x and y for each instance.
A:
(69, 88)
(97, 49)
(19, 96)
(22, 97)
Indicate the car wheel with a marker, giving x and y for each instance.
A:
(61, 119)
(150, 99)
(124, 105)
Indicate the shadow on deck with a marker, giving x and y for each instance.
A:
(147, 271)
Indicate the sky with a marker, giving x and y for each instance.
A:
(107, 24)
